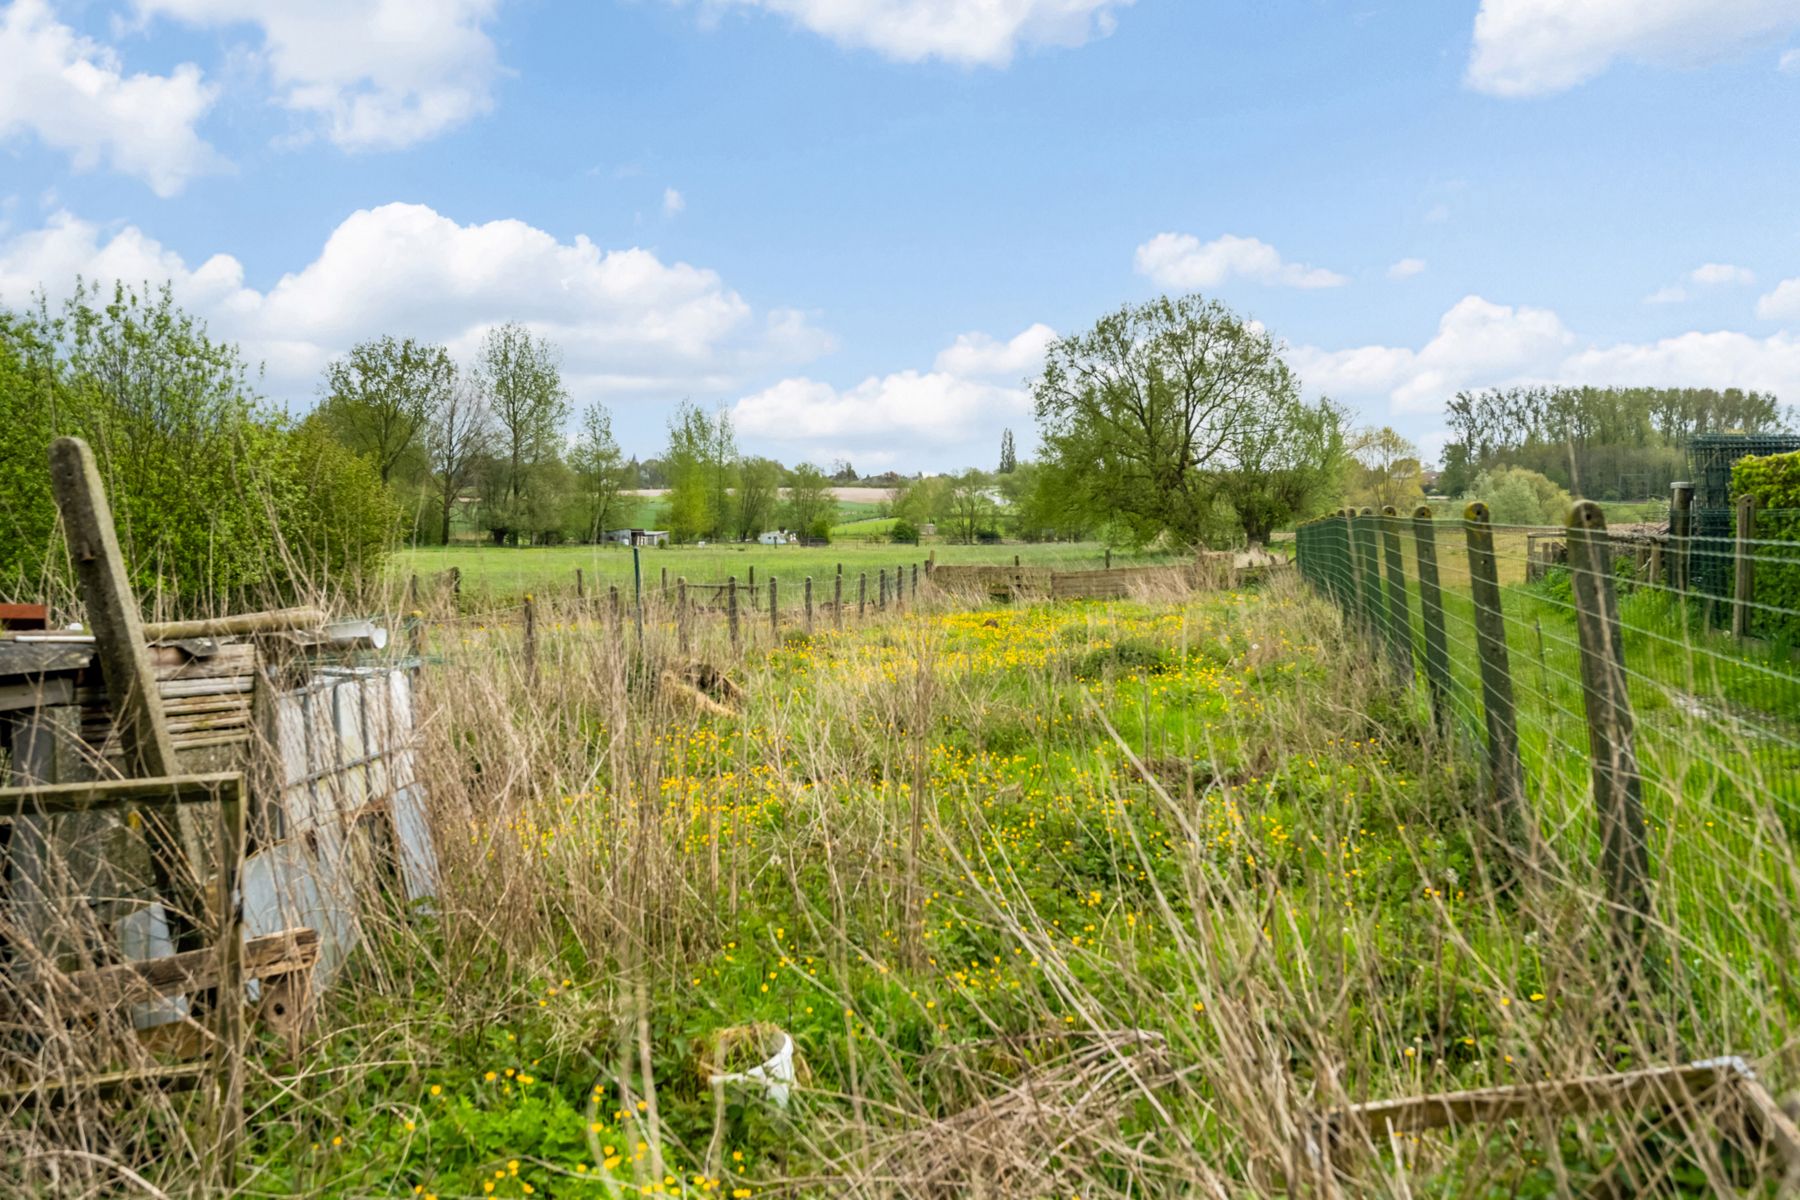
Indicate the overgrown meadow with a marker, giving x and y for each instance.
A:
(1080, 900)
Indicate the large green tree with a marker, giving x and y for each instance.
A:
(809, 503)
(701, 464)
(1137, 411)
(383, 397)
(1282, 462)
(599, 467)
(520, 376)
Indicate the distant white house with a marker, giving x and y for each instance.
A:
(777, 537)
(638, 537)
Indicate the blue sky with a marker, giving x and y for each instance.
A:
(856, 222)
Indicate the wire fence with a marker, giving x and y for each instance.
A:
(1633, 698)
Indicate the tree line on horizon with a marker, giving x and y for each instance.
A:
(1176, 422)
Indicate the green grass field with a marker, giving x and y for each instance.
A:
(496, 573)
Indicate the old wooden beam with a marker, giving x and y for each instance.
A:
(103, 988)
(279, 620)
(57, 799)
(112, 614)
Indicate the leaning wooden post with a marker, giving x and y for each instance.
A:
(228, 1055)
(1681, 528)
(1506, 775)
(1431, 609)
(681, 613)
(837, 599)
(774, 610)
(862, 596)
(1618, 786)
(1744, 576)
(118, 629)
(731, 609)
(1399, 614)
(806, 592)
(530, 614)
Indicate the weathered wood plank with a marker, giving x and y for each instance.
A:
(60, 798)
(43, 658)
(104, 988)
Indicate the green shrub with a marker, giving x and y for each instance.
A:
(1516, 496)
(219, 500)
(1774, 480)
(906, 532)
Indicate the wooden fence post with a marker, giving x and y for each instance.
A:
(1399, 611)
(881, 592)
(1506, 774)
(1743, 585)
(665, 585)
(837, 599)
(1368, 561)
(930, 562)
(1431, 609)
(731, 609)
(530, 615)
(774, 610)
(580, 585)
(806, 590)
(681, 613)
(752, 585)
(415, 634)
(1109, 558)
(915, 581)
(617, 610)
(118, 629)
(1618, 786)
(1681, 528)
(862, 596)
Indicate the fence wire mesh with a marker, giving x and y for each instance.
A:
(1700, 722)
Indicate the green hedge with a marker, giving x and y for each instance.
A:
(1775, 481)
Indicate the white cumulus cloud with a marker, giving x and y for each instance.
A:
(1477, 342)
(1720, 274)
(1672, 293)
(74, 94)
(978, 355)
(1482, 344)
(914, 418)
(968, 32)
(377, 74)
(1406, 268)
(630, 325)
(1781, 304)
(1181, 260)
(1532, 47)
(673, 202)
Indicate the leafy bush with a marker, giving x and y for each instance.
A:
(905, 531)
(1516, 496)
(819, 531)
(1774, 480)
(218, 499)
